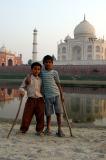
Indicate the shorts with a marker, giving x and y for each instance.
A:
(53, 105)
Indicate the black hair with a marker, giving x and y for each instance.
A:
(47, 57)
(36, 64)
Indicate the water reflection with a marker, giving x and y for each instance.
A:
(8, 94)
(9, 103)
(86, 104)
(85, 107)
(82, 104)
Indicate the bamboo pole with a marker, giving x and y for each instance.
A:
(14, 122)
(64, 109)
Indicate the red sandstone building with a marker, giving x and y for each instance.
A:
(7, 58)
(8, 94)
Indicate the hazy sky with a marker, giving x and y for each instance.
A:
(54, 19)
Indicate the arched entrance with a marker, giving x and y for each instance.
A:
(10, 62)
(3, 64)
(76, 53)
(9, 91)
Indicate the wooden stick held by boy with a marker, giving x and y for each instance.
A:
(14, 122)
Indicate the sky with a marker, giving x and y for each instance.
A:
(54, 20)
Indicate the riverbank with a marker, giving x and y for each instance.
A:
(84, 83)
(87, 143)
(67, 83)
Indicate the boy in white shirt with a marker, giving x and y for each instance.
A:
(35, 102)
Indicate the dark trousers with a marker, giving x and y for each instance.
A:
(33, 106)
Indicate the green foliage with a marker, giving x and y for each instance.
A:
(30, 62)
(13, 76)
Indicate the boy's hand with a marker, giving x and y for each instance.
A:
(28, 80)
(62, 99)
(22, 93)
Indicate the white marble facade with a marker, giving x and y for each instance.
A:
(84, 47)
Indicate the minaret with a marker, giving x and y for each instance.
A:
(84, 16)
(34, 51)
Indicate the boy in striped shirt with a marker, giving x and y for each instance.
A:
(52, 93)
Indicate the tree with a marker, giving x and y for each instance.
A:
(29, 61)
(54, 58)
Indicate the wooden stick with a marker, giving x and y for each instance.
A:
(14, 122)
(64, 109)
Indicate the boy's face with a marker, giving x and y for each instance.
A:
(48, 64)
(36, 70)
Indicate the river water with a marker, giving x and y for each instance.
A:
(82, 104)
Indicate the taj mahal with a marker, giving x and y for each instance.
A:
(84, 49)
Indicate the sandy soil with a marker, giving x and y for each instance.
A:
(87, 144)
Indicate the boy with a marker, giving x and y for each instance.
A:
(52, 94)
(35, 102)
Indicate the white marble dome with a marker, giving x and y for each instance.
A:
(84, 29)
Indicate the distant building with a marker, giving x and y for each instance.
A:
(84, 48)
(7, 58)
(34, 50)
(8, 94)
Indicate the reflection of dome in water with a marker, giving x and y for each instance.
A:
(84, 29)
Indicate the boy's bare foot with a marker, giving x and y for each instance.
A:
(60, 133)
(47, 132)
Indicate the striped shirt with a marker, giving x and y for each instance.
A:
(49, 80)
